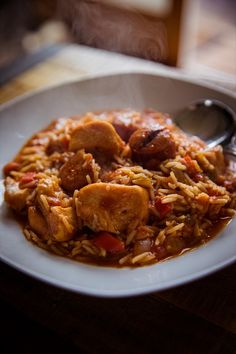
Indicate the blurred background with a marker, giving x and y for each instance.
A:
(196, 35)
(44, 42)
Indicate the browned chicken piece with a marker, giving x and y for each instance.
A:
(78, 171)
(38, 223)
(112, 207)
(48, 188)
(62, 223)
(14, 196)
(96, 136)
(57, 145)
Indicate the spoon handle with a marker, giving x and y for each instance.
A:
(231, 147)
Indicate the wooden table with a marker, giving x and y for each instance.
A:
(38, 318)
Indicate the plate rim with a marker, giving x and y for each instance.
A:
(149, 72)
(123, 293)
(138, 290)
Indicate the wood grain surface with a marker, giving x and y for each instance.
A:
(145, 324)
(199, 317)
(76, 62)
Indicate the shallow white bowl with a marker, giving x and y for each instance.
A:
(24, 116)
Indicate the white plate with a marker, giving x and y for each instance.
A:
(22, 117)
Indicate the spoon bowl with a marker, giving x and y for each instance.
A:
(211, 120)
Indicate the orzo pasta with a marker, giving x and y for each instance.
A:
(119, 188)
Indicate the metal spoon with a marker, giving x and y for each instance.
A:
(212, 121)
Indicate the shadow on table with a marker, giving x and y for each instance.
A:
(181, 320)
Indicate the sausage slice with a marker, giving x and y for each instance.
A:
(78, 171)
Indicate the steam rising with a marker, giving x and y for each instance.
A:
(99, 25)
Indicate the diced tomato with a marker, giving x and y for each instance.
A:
(27, 179)
(187, 159)
(163, 209)
(54, 201)
(190, 165)
(11, 166)
(109, 242)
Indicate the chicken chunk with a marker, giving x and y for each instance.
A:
(62, 223)
(48, 189)
(14, 196)
(112, 207)
(96, 135)
(38, 223)
(78, 171)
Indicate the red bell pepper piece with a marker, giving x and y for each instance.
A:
(27, 179)
(11, 166)
(190, 165)
(163, 209)
(109, 242)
